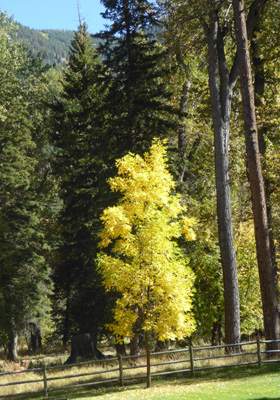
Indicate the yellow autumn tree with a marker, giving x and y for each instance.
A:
(143, 262)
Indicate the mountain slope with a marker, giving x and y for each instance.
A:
(53, 44)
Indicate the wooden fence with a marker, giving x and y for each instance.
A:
(117, 370)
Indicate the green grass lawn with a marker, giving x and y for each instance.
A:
(235, 384)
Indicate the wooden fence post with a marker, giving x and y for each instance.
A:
(192, 361)
(45, 381)
(259, 353)
(121, 369)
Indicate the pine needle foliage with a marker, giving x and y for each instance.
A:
(79, 299)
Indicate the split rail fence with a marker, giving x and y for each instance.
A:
(117, 370)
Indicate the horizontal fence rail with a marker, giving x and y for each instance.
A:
(123, 368)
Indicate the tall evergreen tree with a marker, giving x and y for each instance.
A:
(79, 299)
(137, 100)
(24, 274)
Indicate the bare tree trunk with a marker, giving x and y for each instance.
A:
(268, 278)
(221, 86)
(259, 84)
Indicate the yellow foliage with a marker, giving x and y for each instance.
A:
(146, 266)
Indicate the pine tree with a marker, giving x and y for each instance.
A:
(24, 273)
(137, 102)
(79, 300)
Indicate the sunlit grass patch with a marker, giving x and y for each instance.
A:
(237, 384)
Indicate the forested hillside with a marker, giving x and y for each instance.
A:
(142, 165)
(52, 44)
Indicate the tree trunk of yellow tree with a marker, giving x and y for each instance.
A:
(268, 277)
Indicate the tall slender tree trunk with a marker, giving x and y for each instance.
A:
(268, 278)
(259, 85)
(221, 87)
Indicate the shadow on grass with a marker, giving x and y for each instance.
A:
(237, 372)
(94, 391)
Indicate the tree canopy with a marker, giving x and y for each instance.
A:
(144, 264)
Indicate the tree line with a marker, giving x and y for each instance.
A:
(168, 71)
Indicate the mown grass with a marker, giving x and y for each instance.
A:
(240, 383)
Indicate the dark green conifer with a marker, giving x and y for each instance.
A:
(137, 101)
(79, 300)
(24, 273)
